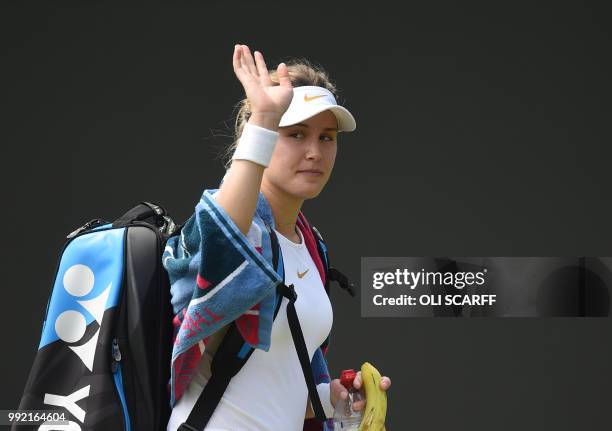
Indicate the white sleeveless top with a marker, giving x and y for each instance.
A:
(269, 392)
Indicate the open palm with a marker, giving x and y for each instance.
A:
(265, 97)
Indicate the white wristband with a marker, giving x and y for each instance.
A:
(256, 144)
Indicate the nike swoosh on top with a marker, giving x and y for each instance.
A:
(311, 98)
(300, 275)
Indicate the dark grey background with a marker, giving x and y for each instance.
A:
(483, 130)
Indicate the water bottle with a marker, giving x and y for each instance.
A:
(345, 419)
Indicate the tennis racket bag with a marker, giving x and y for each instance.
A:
(103, 362)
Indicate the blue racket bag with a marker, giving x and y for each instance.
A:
(103, 361)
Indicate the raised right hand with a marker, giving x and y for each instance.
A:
(266, 98)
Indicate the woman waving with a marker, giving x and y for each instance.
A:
(222, 270)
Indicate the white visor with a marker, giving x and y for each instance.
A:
(310, 100)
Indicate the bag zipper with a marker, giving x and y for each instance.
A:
(90, 224)
(118, 378)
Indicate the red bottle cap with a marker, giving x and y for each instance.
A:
(347, 377)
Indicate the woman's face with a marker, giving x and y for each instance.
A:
(302, 148)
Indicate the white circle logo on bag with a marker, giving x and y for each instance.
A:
(71, 325)
(79, 280)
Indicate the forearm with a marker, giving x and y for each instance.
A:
(239, 192)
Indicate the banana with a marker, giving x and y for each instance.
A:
(375, 410)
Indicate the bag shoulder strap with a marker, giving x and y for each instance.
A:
(234, 352)
(331, 273)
